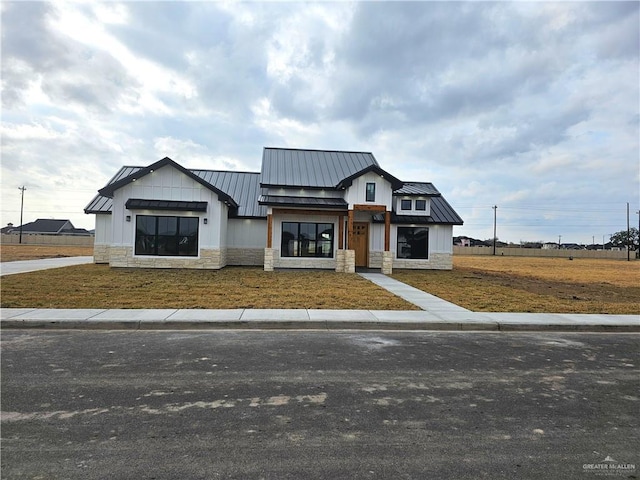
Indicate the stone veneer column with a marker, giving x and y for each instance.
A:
(340, 261)
(268, 259)
(350, 261)
(387, 263)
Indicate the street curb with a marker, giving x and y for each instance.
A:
(312, 319)
(137, 325)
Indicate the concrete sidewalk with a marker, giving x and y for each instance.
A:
(25, 266)
(436, 314)
(171, 319)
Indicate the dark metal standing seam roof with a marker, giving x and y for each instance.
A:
(313, 202)
(242, 187)
(441, 213)
(417, 188)
(311, 168)
(175, 205)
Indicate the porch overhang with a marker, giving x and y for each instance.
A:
(175, 205)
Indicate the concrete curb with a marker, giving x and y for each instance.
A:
(177, 319)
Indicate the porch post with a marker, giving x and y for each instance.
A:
(387, 230)
(340, 232)
(269, 231)
(350, 239)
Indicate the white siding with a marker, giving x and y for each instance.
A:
(356, 193)
(168, 183)
(247, 233)
(103, 229)
(413, 211)
(440, 238)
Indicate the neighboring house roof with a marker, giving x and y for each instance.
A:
(76, 231)
(417, 188)
(313, 202)
(45, 225)
(288, 167)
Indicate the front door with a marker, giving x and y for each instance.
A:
(361, 243)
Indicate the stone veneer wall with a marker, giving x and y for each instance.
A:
(101, 254)
(209, 259)
(245, 256)
(302, 262)
(387, 263)
(349, 261)
(375, 259)
(436, 261)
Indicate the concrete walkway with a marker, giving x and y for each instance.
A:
(25, 266)
(436, 314)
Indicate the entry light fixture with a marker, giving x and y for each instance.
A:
(204, 221)
(128, 218)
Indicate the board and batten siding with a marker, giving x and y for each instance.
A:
(247, 233)
(356, 193)
(167, 183)
(103, 229)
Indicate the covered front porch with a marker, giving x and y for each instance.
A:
(349, 237)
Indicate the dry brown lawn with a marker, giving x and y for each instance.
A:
(479, 283)
(527, 284)
(11, 253)
(99, 286)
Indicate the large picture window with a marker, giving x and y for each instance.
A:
(307, 239)
(413, 242)
(166, 236)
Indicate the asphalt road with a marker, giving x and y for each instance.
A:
(318, 405)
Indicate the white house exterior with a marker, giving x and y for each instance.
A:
(305, 209)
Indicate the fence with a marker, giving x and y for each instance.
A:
(71, 240)
(538, 252)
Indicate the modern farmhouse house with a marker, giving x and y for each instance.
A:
(305, 209)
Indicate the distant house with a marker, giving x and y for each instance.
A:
(8, 229)
(46, 226)
(305, 209)
(550, 246)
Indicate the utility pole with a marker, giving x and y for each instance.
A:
(638, 254)
(628, 236)
(495, 214)
(559, 241)
(22, 189)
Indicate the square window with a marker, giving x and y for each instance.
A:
(371, 192)
(413, 242)
(405, 204)
(421, 205)
(165, 235)
(303, 239)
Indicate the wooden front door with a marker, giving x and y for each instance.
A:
(361, 243)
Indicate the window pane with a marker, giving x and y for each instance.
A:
(167, 225)
(405, 204)
(188, 239)
(371, 192)
(306, 239)
(421, 204)
(413, 242)
(289, 242)
(173, 235)
(145, 235)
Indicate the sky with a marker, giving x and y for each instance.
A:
(530, 107)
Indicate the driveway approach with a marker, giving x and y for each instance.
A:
(316, 405)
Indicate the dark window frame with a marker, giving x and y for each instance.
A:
(421, 205)
(293, 244)
(180, 239)
(412, 243)
(403, 202)
(370, 192)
